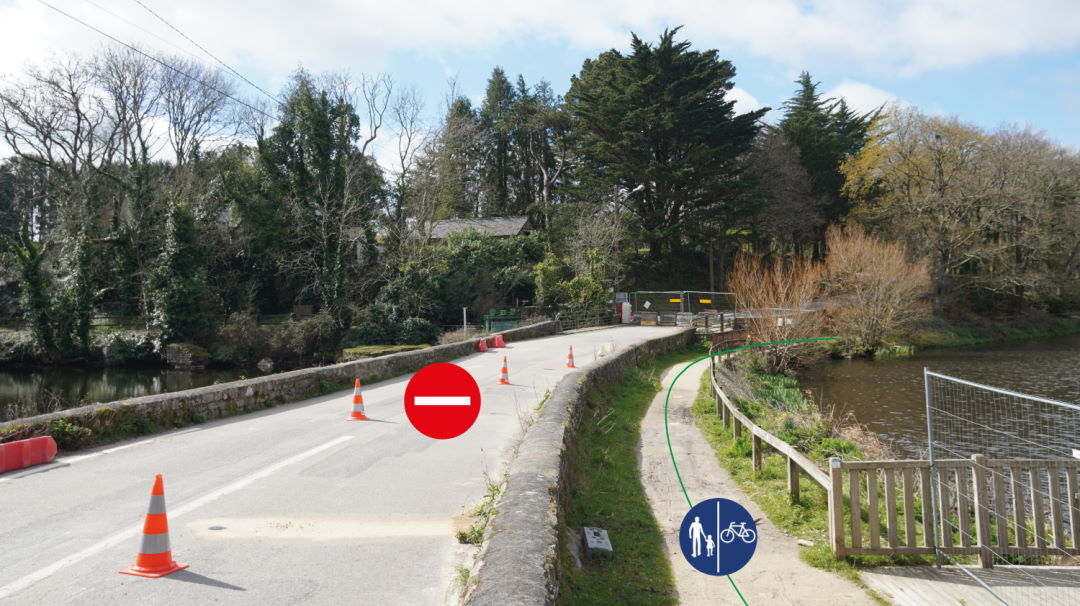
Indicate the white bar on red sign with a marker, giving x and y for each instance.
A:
(442, 401)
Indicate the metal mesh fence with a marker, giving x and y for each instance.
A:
(1015, 505)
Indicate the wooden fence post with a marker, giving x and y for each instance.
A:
(982, 512)
(836, 508)
(793, 479)
(755, 449)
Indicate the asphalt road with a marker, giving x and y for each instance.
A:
(291, 505)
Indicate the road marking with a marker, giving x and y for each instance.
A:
(43, 573)
(317, 528)
(442, 401)
(31, 471)
(78, 458)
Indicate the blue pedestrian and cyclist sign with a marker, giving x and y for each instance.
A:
(718, 536)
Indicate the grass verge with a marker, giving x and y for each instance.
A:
(604, 489)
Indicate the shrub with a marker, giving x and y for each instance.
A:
(315, 336)
(240, 340)
(124, 346)
(69, 436)
(418, 331)
(18, 346)
(378, 325)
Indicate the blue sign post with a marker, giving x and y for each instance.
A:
(718, 536)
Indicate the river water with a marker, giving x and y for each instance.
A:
(888, 395)
(27, 392)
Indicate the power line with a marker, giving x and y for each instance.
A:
(158, 61)
(211, 55)
(141, 28)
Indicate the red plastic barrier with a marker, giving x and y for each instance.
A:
(25, 453)
(481, 345)
(499, 341)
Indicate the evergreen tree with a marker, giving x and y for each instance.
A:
(826, 131)
(179, 294)
(660, 117)
(496, 120)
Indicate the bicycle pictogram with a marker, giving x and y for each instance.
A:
(737, 530)
(708, 536)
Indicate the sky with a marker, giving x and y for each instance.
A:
(989, 62)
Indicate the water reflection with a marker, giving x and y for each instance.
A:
(888, 395)
(28, 392)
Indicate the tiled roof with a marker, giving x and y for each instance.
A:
(496, 226)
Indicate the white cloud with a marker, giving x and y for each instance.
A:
(276, 35)
(744, 101)
(863, 97)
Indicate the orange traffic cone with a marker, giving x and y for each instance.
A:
(155, 558)
(570, 358)
(357, 404)
(504, 376)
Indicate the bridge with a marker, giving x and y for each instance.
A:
(287, 505)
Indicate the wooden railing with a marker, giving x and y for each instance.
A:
(986, 507)
(738, 422)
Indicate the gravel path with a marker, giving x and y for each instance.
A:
(775, 575)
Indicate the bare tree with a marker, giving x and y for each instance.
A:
(194, 100)
(376, 92)
(876, 292)
(789, 212)
(779, 296)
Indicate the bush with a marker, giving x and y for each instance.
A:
(418, 331)
(69, 436)
(315, 336)
(378, 325)
(18, 346)
(124, 346)
(240, 340)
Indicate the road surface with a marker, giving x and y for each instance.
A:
(292, 505)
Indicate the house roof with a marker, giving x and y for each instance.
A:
(496, 226)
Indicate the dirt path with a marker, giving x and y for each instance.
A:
(775, 575)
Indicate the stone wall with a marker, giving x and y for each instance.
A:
(126, 417)
(518, 563)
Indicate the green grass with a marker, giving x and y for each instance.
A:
(603, 489)
(807, 519)
(972, 335)
(372, 351)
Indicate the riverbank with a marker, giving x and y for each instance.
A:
(971, 334)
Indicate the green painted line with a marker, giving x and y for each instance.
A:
(667, 431)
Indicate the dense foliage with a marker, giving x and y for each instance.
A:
(135, 191)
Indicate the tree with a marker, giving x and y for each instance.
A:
(331, 191)
(181, 300)
(499, 163)
(875, 290)
(826, 132)
(779, 295)
(660, 117)
(788, 214)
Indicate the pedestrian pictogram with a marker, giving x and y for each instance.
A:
(442, 401)
(718, 536)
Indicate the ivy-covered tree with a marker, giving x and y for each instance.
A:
(181, 306)
(660, 117)
(330, 188)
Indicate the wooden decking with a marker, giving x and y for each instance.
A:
(949, 586)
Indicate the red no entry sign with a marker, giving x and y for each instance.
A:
(442, 401)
